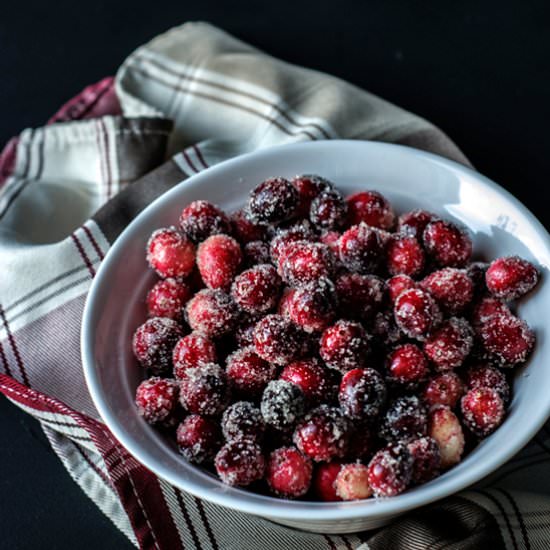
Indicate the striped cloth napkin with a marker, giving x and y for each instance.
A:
(190, 98)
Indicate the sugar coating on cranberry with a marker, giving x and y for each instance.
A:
(323, 434)
(352, 482)
(204, 390)
(167, 298)
(212, 312)
(274, 200)
(359, 296)
(482, 411)
(405, 418)
(390, 470)
(244, 333)
(361, 249)
(282, 405)
(445, 428)
(154, 341)
(277, 340)
(447, 243)
(362, 394)
(309, 187)
(218, 260)
(328, 210)
(416, 313)
(303, 261)
(484, 376)
(372, 208)
(398, 284)
(312, 306)
(191, 351)
(452, 288)
(485, 309)
(414, 222)
(170, 253)
(201, 219)
(284, 237)
(256, 252)
(248, 373)
(426, 459)
(311, 377)
(257, 289)
(157, 399)
(242, 419)
(331, 238)
(407, 365)
(444, 389)
(198, 438)
(240, 462)
(449, 345)
(344, 346)
(511, 277)
(405, 256)
(244, 229)
(289, 472)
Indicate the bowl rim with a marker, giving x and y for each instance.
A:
(274, 507)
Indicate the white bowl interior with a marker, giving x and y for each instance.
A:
(410, 179)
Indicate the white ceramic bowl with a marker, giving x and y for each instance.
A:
(410, 179)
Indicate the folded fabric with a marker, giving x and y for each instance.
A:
(189, 99)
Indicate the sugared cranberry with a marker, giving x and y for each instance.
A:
(405, 256)
(191, 351)
(248, 373)
(485, 310)
(244, 333)
(405, 418)
(204, 390)
(312, 306)
(311, 377)
(328, 210)
(274, 200)
(361, 249)
(398, 284)
(277, 340)
(407, 365)
(289, 472)
(511, 277)
(284, 237)
(359, 296)
(154, 341)
(352, 482)
(283, 404)
(170, 254)
(331, 238)
(201, 219)
(449, 345)
(308, 187)
(157, 399)
(323, 434)
(198, 438)
(344, 346)
(244, 229)
(362, 394)
(167, 299)
(445, 428)
(443, 389)
(324, 477)
(218, 259)
(426, 459)
(372, 208)
(211, 312)
(447, 243)
(484, 376)
(452, 289)
(390, 470)
(257, 289)
(240, 462)
(416, 313)
(256, 252)
(482, 411)
(242, 419)
(413, 223)
(302, 262)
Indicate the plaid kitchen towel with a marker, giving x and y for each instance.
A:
(190, 98)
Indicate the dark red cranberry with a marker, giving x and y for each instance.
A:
(219, 258)
(248, 373)
(328, 210)
(157, 400)
(426, 459)
(244, 333)
(390, 470)
(256, 252)
(511, 277)
(398, 284)
(359, 296)
(405, 418)
(274, 200)
(167, 299)
(204, 390)
(352, 482)
(443, 389)
(308, 187)
(362, 394)
(416, 313)
(244, 229)
(452, 289)
(413, 223)
(257, 289)
(312, 306)
(201, 219)
(407, 365)
(289, 472)
(242, 419)
(212, 312)
(344, 346)
(372, 208)
(283, 404)
(284, 237)
(303, 262)
(198, 438)
(324, 477)
(484, 376)
(277, 340)
(405, 256)
(447, 243)
(311, 377)
(191, 351)
(240, 462)
(384, 329)
(170, 254)
(363, 441)
(482, 411)
(449, 345)
(361, 249)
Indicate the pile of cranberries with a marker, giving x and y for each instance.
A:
(320, 346)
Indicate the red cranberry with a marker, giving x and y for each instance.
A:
(486, 309)
(398, 284)
(312, 306)
(447, 243)
(256, 252)
(372, 208)
(407, 365)
(240, 462)
(328, 210)
(202, 219)
(449, 345)
(311, 377)
(154, 341)
(283, 404)
(244, 229)
(211, 312)
(352, 482)
(257, 289)
(426, 459)
(218, 259)
(170, 254)
(452, 289)
(167, 299)
(198, 438)
(405, 256)
(303, 262)
(274, 200)
(284, 237)
(204, 390)
(248, 373)
(308, 188)
(511, 277)
(362, 394)
(285, 302)
(361, 249)
(323, 434)
(242, 419)
(192, 351)
(484, 376)
(482, 411)
(445, 428)
(344, 346)
(390, 470)
(324, 478)
(359, 296)
(289, 472)
(443, 389)
(413, 223)
(416, 313)
(157, 399)
(405, 418)
(277, 340)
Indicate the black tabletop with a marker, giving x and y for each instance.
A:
(479, 70)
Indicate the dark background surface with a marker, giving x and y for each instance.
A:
(479, 70)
